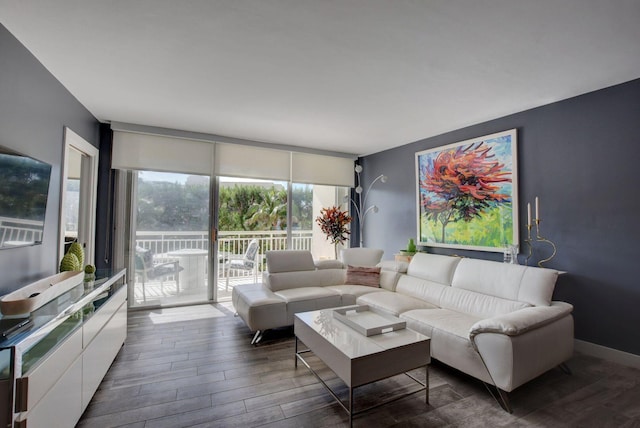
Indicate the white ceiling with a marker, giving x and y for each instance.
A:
(354, 76)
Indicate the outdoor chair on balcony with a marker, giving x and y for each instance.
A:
(247, 262)
(147, 271)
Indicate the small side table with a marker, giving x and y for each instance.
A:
(193, 262)
(402, 258)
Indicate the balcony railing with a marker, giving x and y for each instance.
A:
(234, 242)
(230, 245)
(14, 231)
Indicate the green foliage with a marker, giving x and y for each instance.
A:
(172, 206)
(166, 206)
(270, 210)
(491, 230)
(23, 188)
(237, 206)
(302, 207)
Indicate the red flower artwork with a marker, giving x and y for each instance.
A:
(461, 184)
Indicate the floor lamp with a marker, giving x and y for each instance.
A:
(361, 207)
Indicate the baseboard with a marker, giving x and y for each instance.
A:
(610, 354)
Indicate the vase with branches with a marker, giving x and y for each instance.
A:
(333, 223)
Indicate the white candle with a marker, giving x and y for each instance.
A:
(528, 214)
(537, 209)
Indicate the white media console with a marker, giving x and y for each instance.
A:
(53, 359)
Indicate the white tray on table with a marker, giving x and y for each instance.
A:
(367, 321)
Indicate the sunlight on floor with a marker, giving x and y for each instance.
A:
(190, 313)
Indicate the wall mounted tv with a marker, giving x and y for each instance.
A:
(24, 187)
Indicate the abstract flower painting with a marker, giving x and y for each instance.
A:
(467, 194)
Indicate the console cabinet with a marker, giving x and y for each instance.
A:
(51, 368)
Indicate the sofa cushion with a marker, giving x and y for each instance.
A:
(315, 278)
(328, 264)
(349, 293)
(392, 303)
(433, 267)
(507, 281)
(537, 286)
(389, 279)
(477, 304)
(449, 333)
(259, 307)
(289, 261)
(444, 319)
(394, 266)
(423, 289)
(362, 275)
(305, 293)
(361, 256)
(308, 299)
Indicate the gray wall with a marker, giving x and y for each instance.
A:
(34, 108)
(580, 156)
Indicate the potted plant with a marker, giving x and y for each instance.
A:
(411, 248)
(333, 223)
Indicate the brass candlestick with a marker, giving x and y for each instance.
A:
(539, 238)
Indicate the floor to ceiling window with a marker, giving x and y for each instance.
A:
(256, 212)
(171, 251)
(202, 226)
(171, 244)
(252, 219)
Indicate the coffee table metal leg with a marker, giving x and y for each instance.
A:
(350, 406)
(426, 384)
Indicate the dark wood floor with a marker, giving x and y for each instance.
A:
(194, 367)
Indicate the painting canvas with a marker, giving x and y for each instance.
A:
(467, 194)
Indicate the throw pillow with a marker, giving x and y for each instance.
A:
(358, 275)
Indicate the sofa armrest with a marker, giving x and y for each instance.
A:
(522, 320)
(522, 345)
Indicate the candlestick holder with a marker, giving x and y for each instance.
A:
(539, 238)
(529, 244)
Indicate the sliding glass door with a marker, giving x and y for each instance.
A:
(252, 219)
(170, 212)
(262, 198)
(173, 259)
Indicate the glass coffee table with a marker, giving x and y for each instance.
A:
(359, 359)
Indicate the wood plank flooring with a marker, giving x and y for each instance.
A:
(194, 367)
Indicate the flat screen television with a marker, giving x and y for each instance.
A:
(24, 188)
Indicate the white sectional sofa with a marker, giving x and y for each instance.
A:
(494, 321)
(491, 320)
(295, 283)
